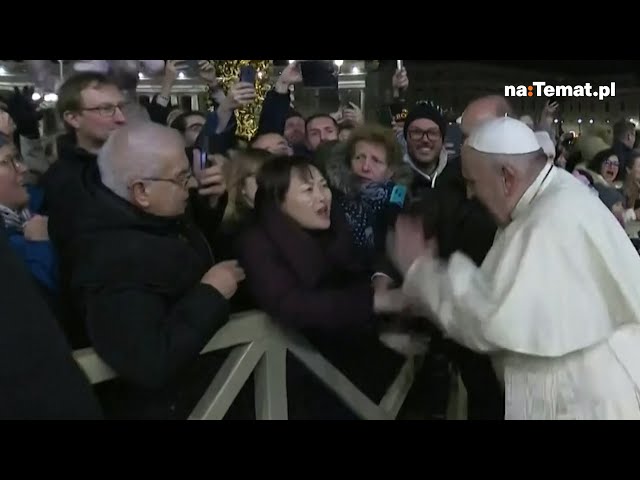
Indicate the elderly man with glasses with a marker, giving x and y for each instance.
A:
(93, 107)
(145, 280)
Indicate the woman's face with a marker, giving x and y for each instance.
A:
(609, 168)
(370, 162)
(308, 200)
(13, 194)
(249, 189)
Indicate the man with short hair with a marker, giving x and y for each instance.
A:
(624, 137)
(464, 225)
(189, 124)
(294, 128)
(320, 128)
(273, 143)
(91, 106)
(144, 277)
(568, 356)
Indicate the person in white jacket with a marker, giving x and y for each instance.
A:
(556, 301)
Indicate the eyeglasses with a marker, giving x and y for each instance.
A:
(432, 134)
(108, 110)
(13, 161)
(611, 163)
(182, 182)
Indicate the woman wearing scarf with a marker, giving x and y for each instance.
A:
(26, 230)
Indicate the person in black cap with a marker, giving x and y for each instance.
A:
(424, 131)
(462, 225)
(294, 128)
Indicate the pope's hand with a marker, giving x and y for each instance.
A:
(408, 243)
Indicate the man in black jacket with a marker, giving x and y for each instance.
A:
(144, 278)
(91, 106)
(39, 379)
(462, 224)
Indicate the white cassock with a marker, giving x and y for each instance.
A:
(556, 302)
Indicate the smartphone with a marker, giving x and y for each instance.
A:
(319, 74)
(399, 64)
(248, 74)
(203, 147)
(345, 101)
(398, 195)
(398, 111)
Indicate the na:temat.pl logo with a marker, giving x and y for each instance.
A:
(540, 89)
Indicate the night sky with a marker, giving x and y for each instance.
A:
(562, 66)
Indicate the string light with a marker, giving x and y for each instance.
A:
(181, 76)
(355, 70)
(36, 96)
(338, 63)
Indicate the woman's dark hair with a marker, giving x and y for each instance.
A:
(599, 158)
(275, 176)
(180, 122)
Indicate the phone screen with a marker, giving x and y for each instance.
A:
(247, 74)
(203, 150)
(398, 111)
(319, 74)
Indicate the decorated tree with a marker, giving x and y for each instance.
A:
(228, 72)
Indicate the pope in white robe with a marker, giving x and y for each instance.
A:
(556, 301)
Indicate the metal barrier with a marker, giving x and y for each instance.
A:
(261, 345)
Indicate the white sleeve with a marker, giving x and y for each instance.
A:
(629, 215)
(455, 296)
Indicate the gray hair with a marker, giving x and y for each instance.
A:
(134, 152)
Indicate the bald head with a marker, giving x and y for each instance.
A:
(483, 109)
(136, 151)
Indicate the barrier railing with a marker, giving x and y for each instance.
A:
(259, 345)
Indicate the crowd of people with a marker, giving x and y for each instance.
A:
(144, 229)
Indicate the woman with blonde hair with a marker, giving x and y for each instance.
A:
(365, 172)
(240, 174)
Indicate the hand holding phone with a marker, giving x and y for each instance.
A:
(208, 173)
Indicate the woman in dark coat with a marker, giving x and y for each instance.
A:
(301, 270)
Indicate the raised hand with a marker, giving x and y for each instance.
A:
(291, 75)
(240, 94)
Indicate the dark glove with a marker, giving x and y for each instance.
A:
(24, 112)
